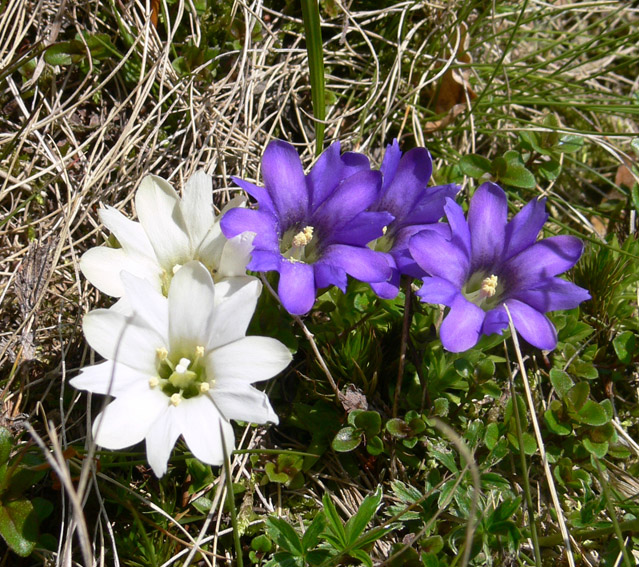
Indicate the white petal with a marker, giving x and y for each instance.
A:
(236, 254)
(160, 440)
(229, 286)
(232, 316)
(109, 378)
(128, 340)
(200, 423)
(197, 206)
(148, 303)
(102, 266)
(191, 304)
(211, 247)
(248, 360)
(127, 419)
(237, 201)
(244, 403)
(158, 207)
(130, 234)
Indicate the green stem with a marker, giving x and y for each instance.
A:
(313, 32)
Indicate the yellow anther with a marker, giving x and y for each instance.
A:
(199, 351)
(489, 286)
(384, 230)
(176, 399)
(303, 237)
(161, 353)
(154, 381)
(204, 387)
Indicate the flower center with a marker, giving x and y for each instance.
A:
(484, 291)
(183, 379)
(299, 245)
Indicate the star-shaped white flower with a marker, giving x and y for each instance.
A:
(171, 232)
(180, 365)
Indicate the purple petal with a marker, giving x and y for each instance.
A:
(430, 205)
(285, 182)
(405, 262)
(329, 170)
(438, 291)
(495, 322)
(296, 287)
(461, 328)
(459, 231)
(407, 185)
(522, 230)
(361, 230)
(263, 224)
(327, 275)
(534, 327)
(260, 194)
(353, 196)
(439, 257)
(544, 259)
(264, 261)
(389, 289)
(363, 264)
(553, 294)
(392, 156)
(487, 216)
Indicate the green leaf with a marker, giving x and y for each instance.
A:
(591, 413)
(530, 140)
(285, 559)
(549, 170)
(598, 449)
(261, 543)
(440, 407)
(576, 397)
(398, 428)
(315, 528)
(554, 423)
(283, 534)
(333, 521)
(624, 345)
(550, 139)
(561, 382)
(347, 439)
(474, 165)
(516, 175)
(491, 437)
(314, 48)
(569, 144)
(356, 525)
(446, 458)
(62, 53)
(375, 446)
(369, 421)
(361, 556)
(18, 526)
(6, 444)
(274, 475)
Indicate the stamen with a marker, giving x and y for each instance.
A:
(199, 351)
(204, 387)
(176, 399)
(303, 237)
(162, 353)
(384, 230)
(489, 286)
(154, 382)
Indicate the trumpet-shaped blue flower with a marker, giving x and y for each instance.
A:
(313, 229)
(414, 205)
(487, 263)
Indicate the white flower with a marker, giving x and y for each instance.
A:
(171, 232)
(180, 365)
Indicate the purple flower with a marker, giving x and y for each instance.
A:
(312, 229)
(487, 263)
(414, 205)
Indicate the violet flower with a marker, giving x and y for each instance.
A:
(488, 262)
(414, 205)
(312, 229)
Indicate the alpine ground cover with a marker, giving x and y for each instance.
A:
(390, 449)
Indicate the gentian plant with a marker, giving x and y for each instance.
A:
(171, 232)
(487, 263)
(313, 229)
(415, 207)
(180, 365)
